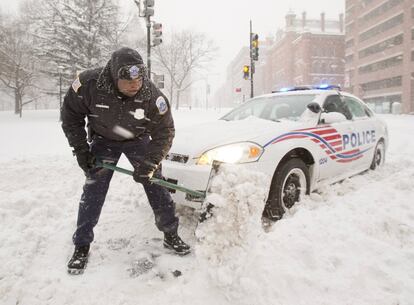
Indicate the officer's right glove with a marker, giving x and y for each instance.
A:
(144, 172)
(85, 158)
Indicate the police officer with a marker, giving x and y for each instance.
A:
(126, 114)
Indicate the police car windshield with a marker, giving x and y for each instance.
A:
(273, 108)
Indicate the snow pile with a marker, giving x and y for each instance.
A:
(350, 243)
(227, 237)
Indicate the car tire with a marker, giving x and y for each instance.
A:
(290, 183)
(379, 156)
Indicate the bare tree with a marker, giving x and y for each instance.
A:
(185, 54)
(17, 62)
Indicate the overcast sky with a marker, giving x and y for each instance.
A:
(227, 21)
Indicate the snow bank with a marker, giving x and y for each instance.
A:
(350, 243)
(226, 238)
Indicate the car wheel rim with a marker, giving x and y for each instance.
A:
(293, 188)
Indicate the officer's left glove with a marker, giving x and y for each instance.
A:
(144, 172)
(85, 158)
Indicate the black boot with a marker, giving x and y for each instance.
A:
(174, 242)
(77, 263)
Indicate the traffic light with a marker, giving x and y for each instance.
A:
(148, 8)
(157, 33)
(246, 72)
(254, 43)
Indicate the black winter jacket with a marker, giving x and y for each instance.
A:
(116, 117)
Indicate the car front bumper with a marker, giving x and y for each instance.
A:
(198, 178)
(192, 176)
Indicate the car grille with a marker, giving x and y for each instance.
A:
(174, 182)
(177, 158)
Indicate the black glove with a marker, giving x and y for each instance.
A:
(144, 172)
(85, 158)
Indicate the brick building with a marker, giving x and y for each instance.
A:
(380, 52)
(306, 52)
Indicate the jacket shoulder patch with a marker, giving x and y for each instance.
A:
(76, 85)
(161, 105)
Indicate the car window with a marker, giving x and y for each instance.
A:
(273, 108)
(368, 111)
(334, 103)
(356, 108)
(252, 109)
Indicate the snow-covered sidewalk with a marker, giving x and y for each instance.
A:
(350, 243)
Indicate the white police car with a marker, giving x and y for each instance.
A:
(299, 137)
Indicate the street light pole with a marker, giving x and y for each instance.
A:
(60, 90)
(207, 91)
(251, 63)
(149, 46)
(60, 68)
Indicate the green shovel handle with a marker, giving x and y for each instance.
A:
(154, 180)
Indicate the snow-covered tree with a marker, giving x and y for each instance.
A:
(74, 35)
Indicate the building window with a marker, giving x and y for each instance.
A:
(349, 59)
(412, 55)
(349, 43)
(381, 65)
(364, 3)
(383, 104)
(382, 84)
(379, 47)
(385, 26)
(349, 27)
(350, 10)
(379, 10)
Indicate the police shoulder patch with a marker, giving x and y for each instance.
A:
(161, 105)
(76, 85)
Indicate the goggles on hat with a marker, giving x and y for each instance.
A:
(131, 72)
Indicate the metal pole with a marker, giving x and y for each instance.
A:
(206, 93)
(60, 90)
(60, 95)
(251, 62)
(149, 46)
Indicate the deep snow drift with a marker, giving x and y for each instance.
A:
(350, 243)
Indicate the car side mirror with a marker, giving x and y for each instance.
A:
(314, 107)
(332, 117)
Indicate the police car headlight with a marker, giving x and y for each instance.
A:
(243, 152)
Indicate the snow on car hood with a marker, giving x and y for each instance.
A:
(197, 139)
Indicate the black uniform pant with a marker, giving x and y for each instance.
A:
(97, 184)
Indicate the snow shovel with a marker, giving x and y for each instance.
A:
(198, 194)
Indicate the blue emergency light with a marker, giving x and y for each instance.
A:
(328, 87)
(319, 87)
(286, 89)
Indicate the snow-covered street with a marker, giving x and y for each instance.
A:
(350, 243)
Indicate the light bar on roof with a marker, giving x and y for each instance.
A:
(299, 88)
